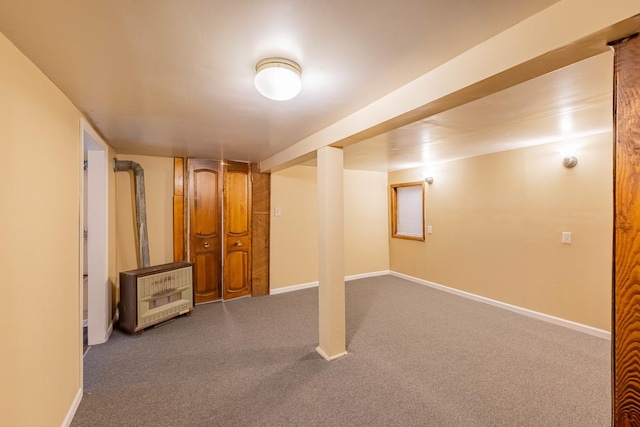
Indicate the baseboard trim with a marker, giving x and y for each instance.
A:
(72, 410)
(109, 331)
(315, 284)
(366, 275)
(293, 288)
(600, 333)
(329, 358)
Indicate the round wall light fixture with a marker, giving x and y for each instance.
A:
(278, 78)
(569, 161)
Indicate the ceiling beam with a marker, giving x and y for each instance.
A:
(567, 32)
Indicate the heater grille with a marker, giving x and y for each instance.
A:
(164, 294)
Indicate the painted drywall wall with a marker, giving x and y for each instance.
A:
(365, 222)
(294, 243)
(294, 239)
(158, 175)
(293, 253)
(40, 361)
(497, 222)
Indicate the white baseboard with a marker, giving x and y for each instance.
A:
(365, 275)
(293, 288)
(315, 284)
(72, 411)
(526, 312)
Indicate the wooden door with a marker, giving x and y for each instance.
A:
(237, 230)
(205, 192)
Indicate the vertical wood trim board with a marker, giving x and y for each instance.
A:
(626, 289)
(179, 253)
(260, 218)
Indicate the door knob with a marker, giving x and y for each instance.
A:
(206, 245)
(238, 243)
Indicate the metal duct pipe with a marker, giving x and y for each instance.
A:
(141, 207)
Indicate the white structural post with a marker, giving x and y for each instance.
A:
(331, 291)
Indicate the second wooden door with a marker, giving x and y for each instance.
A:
(237, 230)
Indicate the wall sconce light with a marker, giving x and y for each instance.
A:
(278, 78)
(569, 161)
(568, 155)
(428, 180)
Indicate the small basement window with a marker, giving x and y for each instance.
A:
(407, 210)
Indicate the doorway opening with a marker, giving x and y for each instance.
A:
(94, 235)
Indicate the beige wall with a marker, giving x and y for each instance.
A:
(158, 175)
(40, 360)
(497, 223)
(293, 243)
(365, 222)
(294, 239)
(293, 235)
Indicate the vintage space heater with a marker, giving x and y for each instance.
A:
(153, 295)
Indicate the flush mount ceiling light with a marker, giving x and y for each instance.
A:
(278, 78)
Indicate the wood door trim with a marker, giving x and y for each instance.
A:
(179, 209)
(260, 227)
(625, 329)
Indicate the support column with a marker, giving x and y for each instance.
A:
(331, 254)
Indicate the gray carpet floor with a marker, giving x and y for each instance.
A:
(416, 357)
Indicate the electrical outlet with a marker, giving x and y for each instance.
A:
(277, 211)
(429, 229)
(566, 237)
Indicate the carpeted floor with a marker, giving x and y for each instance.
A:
(417, 357)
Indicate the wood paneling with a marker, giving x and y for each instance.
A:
(626, 292)
(260, 232)
(179, 253)
(261, 191)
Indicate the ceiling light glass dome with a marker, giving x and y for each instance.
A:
(278, 78)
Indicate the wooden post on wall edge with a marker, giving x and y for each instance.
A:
(625, 331)
(179, 253)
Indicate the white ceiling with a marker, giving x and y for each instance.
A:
(166, 77)
(566, 104)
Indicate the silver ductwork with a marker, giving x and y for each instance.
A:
(141, 207)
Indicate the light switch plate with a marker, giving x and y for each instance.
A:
(429, 229)
(566, 237)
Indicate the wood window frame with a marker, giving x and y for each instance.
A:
(394, 210)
